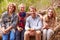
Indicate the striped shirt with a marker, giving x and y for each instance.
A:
(33, 23)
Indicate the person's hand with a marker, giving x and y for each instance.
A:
(19, 29)
(6, 30)
(31, 29)
(32, 32)
(46, 26)
(3, 30)
(56, 28)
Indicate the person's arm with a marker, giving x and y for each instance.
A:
(19, 28)
(56, 25)
(27, 24)
(14, 23)
(3, 21)
(41, 17)
(45, 22)
(40, 24)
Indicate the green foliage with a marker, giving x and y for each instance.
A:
(58, 13)
(39, 4)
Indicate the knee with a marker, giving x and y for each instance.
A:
(38, 32)
(44, 31)
(50, 31)
(26, 33)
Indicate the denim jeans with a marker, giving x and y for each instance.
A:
(9, 36)
(20, 35)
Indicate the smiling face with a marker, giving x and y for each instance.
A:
(50, 13)
(33, 12)
(11, 8)
(22, 7)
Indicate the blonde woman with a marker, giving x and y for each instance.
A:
(48, 24)
(21, 23)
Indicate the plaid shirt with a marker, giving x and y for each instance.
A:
(9, 20)
(21, 22)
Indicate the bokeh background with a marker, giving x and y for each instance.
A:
(39, 4)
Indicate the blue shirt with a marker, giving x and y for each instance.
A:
(35, 23)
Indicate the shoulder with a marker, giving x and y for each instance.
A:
(45, 16)
(15, 15)
(4, 13)
(38, 18)
(28, 18)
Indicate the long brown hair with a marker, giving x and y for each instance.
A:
(53, 12)
(13, 5)
(53, 15)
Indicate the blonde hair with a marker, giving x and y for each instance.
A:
(32, 7)
(53, 11)
(21, 5)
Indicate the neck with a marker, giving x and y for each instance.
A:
(10, 13)
(33, 17)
